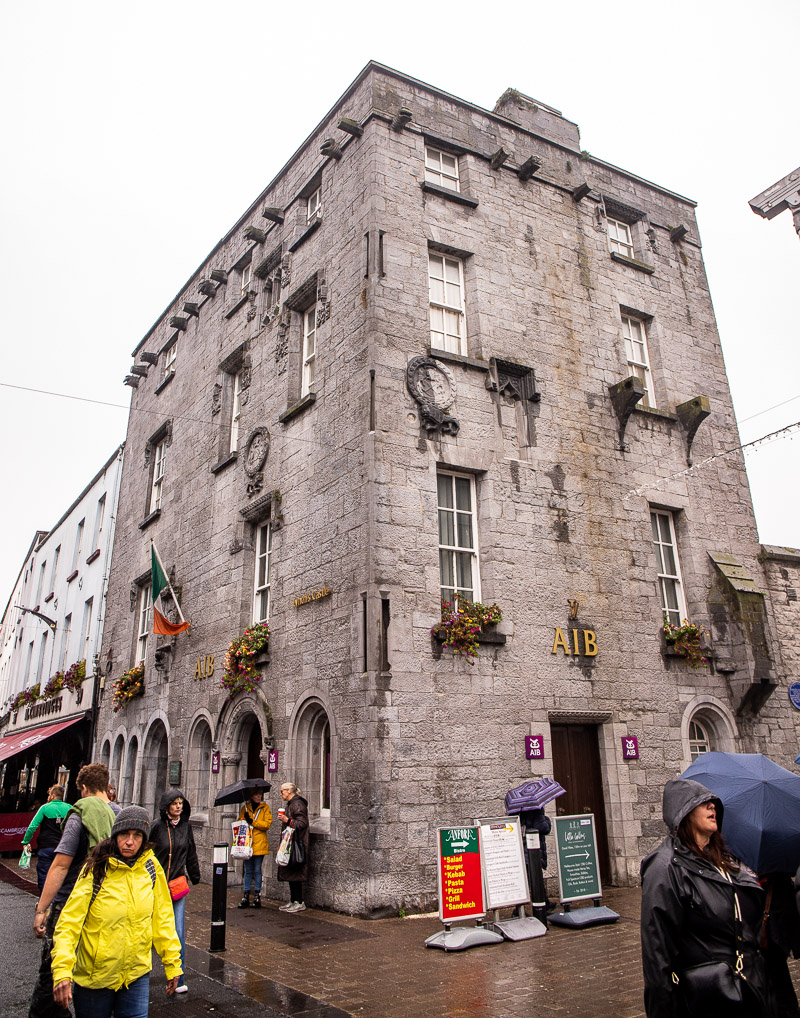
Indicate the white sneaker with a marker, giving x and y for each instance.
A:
(183, 988)
(296, 906)
(286, 907)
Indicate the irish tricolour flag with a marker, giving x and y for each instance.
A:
(162, 625)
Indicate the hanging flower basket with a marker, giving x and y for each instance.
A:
(54, 686)
(127, 686)
(75, 676)
(245, 653)
(463, 624)
(686, 641)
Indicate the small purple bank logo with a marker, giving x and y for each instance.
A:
(215, 762)
(630, 747)
(272, 761)
(534, 747)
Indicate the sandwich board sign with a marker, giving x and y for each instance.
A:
(576, 853)
(460, 878)
(505, 876)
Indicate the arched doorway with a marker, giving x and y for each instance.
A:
(126, 791)
(199, 766)
(254, 765)
(154, 766)
(115, 767)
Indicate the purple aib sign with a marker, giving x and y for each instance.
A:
(534, 747)
(630, 747)
(272, 761)
(215, 762)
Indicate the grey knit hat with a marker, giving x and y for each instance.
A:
(132, 818)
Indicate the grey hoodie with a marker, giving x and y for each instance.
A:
(683, 795)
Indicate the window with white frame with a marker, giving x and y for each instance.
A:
(441, 168)
(99, 518)
(236, 410)
(170, 359)
(309, 349)
(620, 239)
(246, 277)
(40, 584)
(314, 206)
(40, 662)
(56, 557)
(458, 545)
(76, 554)
(701, 738)
(145, 621)
(263, 569)
(62, 664)
(87, 629)
(634, 332)
(446, 290)
(669, 571)
(159, 467)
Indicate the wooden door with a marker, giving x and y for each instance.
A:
(576, 766)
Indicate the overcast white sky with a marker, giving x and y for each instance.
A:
(135, 135)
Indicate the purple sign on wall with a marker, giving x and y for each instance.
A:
(215, 762)
(630, 747)
(534, 747)
(272, 761)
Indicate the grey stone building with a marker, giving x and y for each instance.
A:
(445, 352)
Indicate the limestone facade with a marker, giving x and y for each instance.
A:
(573, 386)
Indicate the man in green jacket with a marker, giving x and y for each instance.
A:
(49, 822)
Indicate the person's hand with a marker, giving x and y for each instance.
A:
(62, 994)
(171, 984)
(39, 923)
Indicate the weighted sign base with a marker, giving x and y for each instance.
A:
(524, 928)
(461, 939)
(581, 917)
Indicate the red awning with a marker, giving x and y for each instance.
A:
(17, 741)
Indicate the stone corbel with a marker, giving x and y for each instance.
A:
(402, 119)
(581, 191)
(178, 322)
(350, 127)
(191, 308)
(149, 358)
(330, 149)
(273, 214)
(624, 397)
(219, 275)
(131, 380)
(498, 158)
(139, 369)
(255, 234)
(208, 288)
(691, 414)
(531, 166)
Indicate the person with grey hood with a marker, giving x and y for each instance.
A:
(173, 844)
(699, 906)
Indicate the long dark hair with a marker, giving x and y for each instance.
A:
(716, 851)
(97, 860)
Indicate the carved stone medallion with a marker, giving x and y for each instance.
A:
(433, 387)
(256, 450)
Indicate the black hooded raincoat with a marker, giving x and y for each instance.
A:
(184, 853)
(688, 911)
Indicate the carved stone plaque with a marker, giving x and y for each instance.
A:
(256, 450)
(433, 387)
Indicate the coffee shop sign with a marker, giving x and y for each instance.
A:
(315, 595)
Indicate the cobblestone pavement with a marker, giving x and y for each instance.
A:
(323, 965)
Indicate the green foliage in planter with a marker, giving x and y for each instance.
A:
(687, 641)
(462, 623)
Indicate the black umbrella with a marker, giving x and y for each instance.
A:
(241, 790)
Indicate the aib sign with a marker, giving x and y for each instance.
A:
(534, 747)
(272, 761)
(630, 747)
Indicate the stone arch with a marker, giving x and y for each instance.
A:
(706, 715)
(243, 722)
(115, 766)
(105, 752)
(311, 753)
(155, 757)
(198, 766)
(126, 790)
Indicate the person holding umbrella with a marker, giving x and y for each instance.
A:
(258, 817)
(701, 916)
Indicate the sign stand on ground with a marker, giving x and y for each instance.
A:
(505, 877)
(460, 882)
(579, 873)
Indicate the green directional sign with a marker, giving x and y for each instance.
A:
(576, 852)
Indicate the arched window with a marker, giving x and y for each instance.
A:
(199, 766)
(115, 770)
(154, 767)
(701, 738)
(313, 757)
(707, 726)
(126, 792)
(105, 753)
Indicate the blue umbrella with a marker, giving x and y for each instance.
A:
(532, 795)
(762, 807)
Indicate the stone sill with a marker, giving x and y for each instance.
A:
(302, 404)
(457, 358)
(72, 576)
(149, 519)
(632, 263)
(95, 555)
(652, 411)
(50, 597)
(488, 636)
(445, 192)
(320, 825)
(225, 462)
(164, 383)
(312, 228)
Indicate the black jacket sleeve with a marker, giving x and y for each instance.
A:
(661, 920)
(192, 864)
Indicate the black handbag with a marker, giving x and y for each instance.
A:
(298, 854)
(711, 988)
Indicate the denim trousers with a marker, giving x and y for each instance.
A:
(128, 1002)
(252, 873)
(179, 909)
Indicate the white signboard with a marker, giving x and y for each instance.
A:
(505, 875)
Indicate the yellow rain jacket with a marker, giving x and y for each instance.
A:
(113, 935)
(259, 819)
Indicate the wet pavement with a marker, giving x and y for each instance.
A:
(323, 965)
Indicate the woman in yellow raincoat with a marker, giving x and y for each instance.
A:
(119, 909)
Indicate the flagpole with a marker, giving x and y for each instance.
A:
(166, 577)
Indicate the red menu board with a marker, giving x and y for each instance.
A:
(460, 881)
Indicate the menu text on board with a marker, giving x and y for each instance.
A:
(460, 884)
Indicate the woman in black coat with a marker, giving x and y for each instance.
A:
(693, 893)
(173, 844)
(294, 814)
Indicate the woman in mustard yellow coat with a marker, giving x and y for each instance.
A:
(259, 816)
(119, 909)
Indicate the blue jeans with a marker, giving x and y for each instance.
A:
(44, 859)
(128, 1002)
(179, 908)
(252, 873)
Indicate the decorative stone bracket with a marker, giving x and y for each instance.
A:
(691, 414)
(624, 397)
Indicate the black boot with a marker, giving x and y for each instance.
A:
(256, 900)
(245, 902)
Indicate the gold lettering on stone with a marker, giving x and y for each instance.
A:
(589, 643)
(560, 641)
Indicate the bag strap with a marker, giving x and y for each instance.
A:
(767, 905)
(169, 861)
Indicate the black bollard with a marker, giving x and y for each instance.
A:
(538, 891)
(219, 897)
